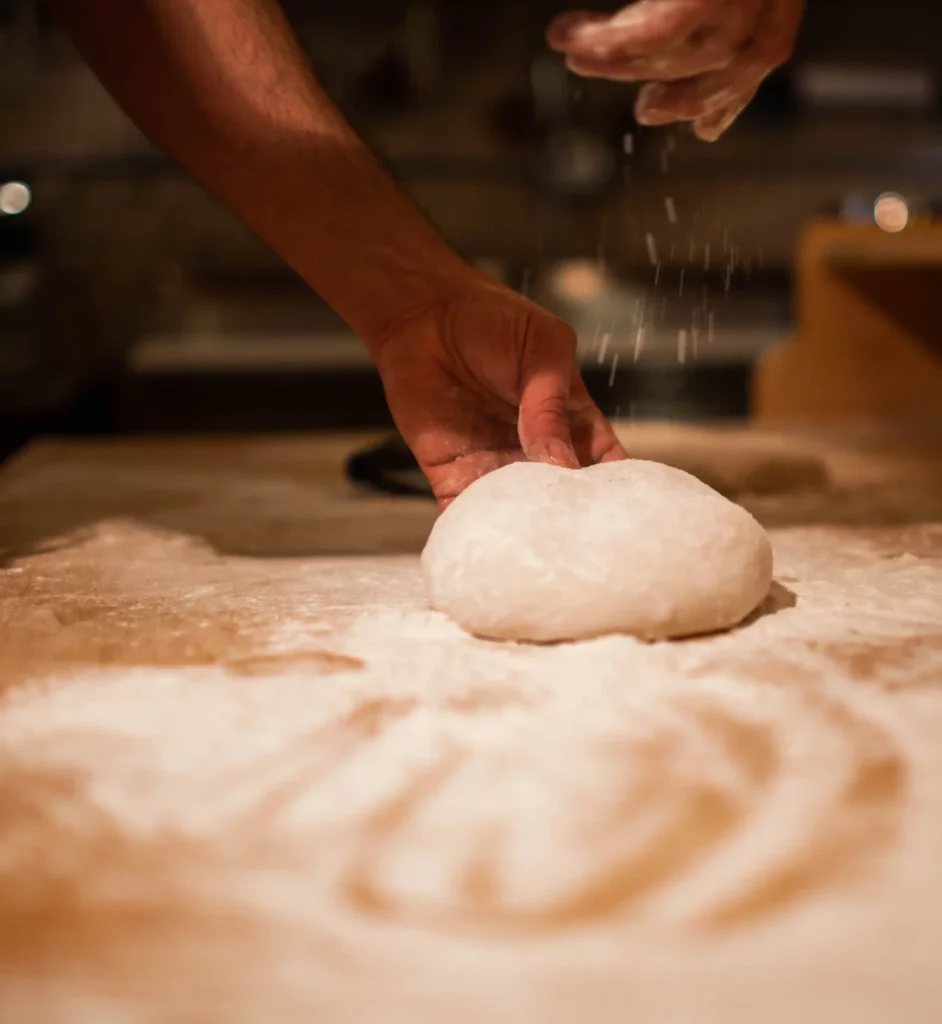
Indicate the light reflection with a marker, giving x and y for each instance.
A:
(891, 212)
(577, 281)
(15, 197)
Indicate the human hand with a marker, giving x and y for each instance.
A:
(703, 60)
(485, 379)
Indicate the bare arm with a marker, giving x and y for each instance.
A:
(476, 376)
(224, 88)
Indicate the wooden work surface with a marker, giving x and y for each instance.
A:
(247, 776)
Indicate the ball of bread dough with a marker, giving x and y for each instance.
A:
(540, 553)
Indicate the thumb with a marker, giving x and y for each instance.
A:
(543, 421)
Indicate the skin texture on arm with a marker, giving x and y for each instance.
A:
(476, 376)
(223, 87)
(702, 60)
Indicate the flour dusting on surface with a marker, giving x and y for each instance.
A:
(242, 789)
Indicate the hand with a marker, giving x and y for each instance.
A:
(485, 379)
(703, 60)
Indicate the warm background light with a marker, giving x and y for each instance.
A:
(891, 212)
(15, 197)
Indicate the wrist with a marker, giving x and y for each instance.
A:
(422, 294)
(368, 251)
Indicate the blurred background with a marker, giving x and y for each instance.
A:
(130, 301)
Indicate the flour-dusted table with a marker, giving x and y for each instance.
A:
(247, 776)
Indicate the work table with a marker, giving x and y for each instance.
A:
(248, 775)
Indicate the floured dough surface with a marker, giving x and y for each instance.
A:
(535, 552)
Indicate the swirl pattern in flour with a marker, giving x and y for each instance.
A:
(700, 807)
(372, 824)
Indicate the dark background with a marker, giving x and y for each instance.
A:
(130, 301)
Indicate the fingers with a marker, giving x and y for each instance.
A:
(703, 96)
(643, 26)
(449, 479)
(714, 100)
(565, 28)
(543, 422)
(703, 60)
(656, 68)
(593, 437)
(558, 421)
(712, 47)
(710, 127)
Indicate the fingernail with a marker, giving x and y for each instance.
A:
(631, 15)
(562, 29)
(652, 95)
(711, 130)
(653, 118)
(588, 29)
(561, 454)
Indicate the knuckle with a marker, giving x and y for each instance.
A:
(549, 408)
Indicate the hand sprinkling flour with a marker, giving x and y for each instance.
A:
(702, 60)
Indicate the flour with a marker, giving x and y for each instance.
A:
(599, 811)
(389, 820)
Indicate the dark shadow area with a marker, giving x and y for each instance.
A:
(778, 599)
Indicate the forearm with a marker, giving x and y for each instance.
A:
(223, 87)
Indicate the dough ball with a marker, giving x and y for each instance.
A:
(535, 552)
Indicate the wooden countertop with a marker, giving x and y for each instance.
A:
(248, 776)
